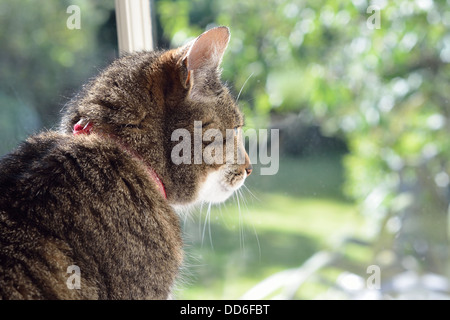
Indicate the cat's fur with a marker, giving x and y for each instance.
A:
(88, 200)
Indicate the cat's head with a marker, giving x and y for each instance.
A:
(171, 109)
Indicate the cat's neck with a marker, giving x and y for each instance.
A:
(87, 128)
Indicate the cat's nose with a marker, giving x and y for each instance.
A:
(249, 169)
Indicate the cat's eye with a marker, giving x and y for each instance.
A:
(132, 126)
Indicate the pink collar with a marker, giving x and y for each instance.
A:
(79, 128)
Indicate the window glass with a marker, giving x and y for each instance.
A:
(359, 93)
(349, 195)
(49, 50)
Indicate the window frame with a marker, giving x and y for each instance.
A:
(134, 25)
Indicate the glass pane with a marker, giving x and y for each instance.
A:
(357, 203)
(359, 93)
(49, 49)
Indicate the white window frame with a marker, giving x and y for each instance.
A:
(134, 25)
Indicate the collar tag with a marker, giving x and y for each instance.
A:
(80, 128)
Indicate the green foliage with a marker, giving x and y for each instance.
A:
(43, 63)
(385, 91)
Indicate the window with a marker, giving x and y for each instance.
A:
(360, 205)
(134, 27)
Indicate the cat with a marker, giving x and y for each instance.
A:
(99, 192)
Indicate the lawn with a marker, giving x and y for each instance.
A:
(277, 223)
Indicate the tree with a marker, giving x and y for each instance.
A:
(375, 75)
(44, 62)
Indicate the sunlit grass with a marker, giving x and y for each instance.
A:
(264, 238)
(241, 243)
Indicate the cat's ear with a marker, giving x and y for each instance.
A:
(203, 55)
(207, 50)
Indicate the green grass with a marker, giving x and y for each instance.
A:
(288, 218)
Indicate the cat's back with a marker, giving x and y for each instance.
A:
(82, 201)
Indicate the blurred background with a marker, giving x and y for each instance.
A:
(359, 91)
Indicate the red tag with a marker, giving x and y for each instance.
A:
(79, 128)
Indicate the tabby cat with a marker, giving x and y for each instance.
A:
(100, 192)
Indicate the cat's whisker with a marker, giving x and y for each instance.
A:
(209, 226)
(241, 225)
(220, 210)
(204, 225)
(207, 222)
(240, 221)
(256, 236)
(240, 91)
(222, 217)
(185, 221)
(247, 211)
(251, 193)
(244, 201)
(200, 217)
